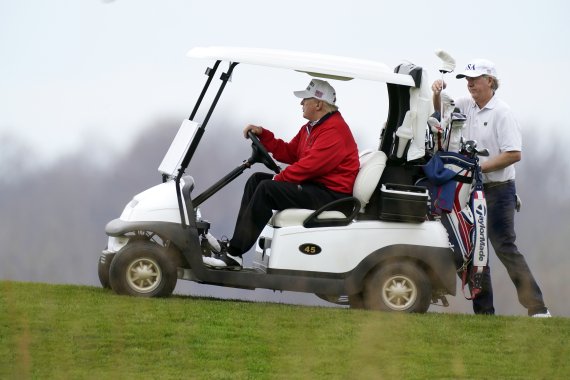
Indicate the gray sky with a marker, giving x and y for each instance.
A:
(98, 72)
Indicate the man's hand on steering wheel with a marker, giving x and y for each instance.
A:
(260, 154)
(255, 129)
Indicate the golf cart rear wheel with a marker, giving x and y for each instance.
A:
(143, 268)
(356, 301)
(401, 287)
(337, 299)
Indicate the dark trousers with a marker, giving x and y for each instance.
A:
(501, 202)
(262, 195)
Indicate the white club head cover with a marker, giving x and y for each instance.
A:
(446, 100)
(458, 120)
(447, 61)
(434, 125)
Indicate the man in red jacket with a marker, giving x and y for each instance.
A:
(323, 164)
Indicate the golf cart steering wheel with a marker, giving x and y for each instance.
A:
(260, 154)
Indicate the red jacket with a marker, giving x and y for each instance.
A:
(325, 153)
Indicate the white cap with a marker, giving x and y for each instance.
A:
(318, 89)
(478, 67)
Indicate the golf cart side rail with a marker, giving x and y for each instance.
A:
(433, 259)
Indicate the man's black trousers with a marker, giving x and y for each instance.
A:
(262, 195)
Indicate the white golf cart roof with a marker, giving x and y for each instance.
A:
(317, 65)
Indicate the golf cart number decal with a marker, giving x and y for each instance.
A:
(310, 249)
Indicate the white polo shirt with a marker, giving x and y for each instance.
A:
(494, 127)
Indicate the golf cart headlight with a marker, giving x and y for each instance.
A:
(116, 243)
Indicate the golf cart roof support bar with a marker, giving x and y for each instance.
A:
(194, 145)
(225, 77)
(210, 73)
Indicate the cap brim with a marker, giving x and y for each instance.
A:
(469, 74)
(303, 94)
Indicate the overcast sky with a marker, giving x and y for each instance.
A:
(77, 71)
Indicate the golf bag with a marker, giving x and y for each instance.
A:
(457, 196)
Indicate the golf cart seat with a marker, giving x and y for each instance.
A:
(372, 164)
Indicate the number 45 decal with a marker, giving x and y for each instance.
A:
(310, 249)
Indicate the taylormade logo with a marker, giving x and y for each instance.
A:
(481, 213)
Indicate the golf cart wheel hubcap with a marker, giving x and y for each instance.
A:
(399, 292)
(144, 275)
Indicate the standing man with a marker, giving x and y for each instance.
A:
(323, 164)
(492, 124)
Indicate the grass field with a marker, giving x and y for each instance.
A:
(78, 332)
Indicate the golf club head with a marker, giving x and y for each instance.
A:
(483, 152)
(468, 145)
(447, 61)
(458, 116)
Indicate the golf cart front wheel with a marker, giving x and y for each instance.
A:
(142, 268)
(103, 267)
(401, 287)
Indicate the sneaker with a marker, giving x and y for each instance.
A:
(223, 261)
(542, 315)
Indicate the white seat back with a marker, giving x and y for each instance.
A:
(372, 164)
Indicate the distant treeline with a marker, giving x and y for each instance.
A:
(52, 220)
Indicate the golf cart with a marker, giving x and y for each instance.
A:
(383, 253)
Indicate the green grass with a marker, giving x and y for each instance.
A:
(78, 332)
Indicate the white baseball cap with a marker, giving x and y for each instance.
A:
(478, 67)
(318, 89)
